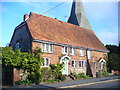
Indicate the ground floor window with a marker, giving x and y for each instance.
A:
(74, 63)
(82, 63)
(46, 62)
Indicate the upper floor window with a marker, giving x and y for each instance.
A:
(47, 47)
(81, 52)
(72, 51)
(74, 63)
(17, 46)
(82, 63)
(64, 50)
(46, 62)
(89, 54)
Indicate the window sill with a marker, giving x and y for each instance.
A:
(47, 52)
(45, 66)
(64, 53)
(82, 56)
(73, 54)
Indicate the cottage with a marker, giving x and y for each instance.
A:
(73, 43)
(78, 48)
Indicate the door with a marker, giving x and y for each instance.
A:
(65, 68)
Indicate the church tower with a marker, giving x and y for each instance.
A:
(78, 16)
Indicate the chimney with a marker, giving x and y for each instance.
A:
(26, 16)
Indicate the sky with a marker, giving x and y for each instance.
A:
(103, 16)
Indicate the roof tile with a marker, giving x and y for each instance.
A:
(49, 29)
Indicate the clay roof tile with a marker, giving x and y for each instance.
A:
(49, 29)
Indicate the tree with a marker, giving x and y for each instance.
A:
(113, 57)
(28, 62)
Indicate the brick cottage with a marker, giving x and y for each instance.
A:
(78, 48)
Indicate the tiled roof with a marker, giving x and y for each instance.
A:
(49, 29)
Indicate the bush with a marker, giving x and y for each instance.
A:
(0, 61)
(46, 73)
(105, 73)
(78, 76)
(62, 78)
(56, 69)
(53, 80)
(35, 77)
(23, 82)
(82, 75)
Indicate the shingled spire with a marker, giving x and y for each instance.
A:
(78, 16)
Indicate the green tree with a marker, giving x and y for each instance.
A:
(113, 57)
(28, 62)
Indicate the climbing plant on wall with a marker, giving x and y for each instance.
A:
(28, 62)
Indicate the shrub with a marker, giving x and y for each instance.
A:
(46, 73)
(53, 80)
(56, 69)
(23, 82)
(82, 75)
(78, 76)
(35, 77)
(105, 73)
(62, 78)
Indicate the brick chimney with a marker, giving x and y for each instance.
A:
(26, 16)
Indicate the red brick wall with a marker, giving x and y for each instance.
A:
(57, 52)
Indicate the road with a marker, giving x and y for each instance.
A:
(113, 84)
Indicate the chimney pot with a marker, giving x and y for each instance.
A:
(26, 16)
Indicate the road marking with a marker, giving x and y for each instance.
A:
(88, 84)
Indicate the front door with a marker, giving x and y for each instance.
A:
(65, 68)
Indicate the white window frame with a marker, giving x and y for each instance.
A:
(73, 51)
(63, 50)
(75, 63)
(83, 63)
(44, 48)
(45, 63)
(89, 54)
(82, 52)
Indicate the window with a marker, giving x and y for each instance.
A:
(46, 62)
(72, 51)
(74, 63)
(17, 45)
(82, 63)
(89, 54)
(47, 47)
(81, 52)
(64, 50)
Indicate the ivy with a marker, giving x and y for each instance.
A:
(28, 62)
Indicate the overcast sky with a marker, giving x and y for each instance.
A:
(103, 16)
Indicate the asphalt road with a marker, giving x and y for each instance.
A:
(113, 84)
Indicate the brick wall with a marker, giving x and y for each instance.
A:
(57, 52)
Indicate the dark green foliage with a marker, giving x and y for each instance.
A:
(113, 57)
(47, 73)
(53, 80)
(56, 69)
(62, 77)
(78, 76)
(105, 73)
(26, 61)
(31, 64)
(23, 82)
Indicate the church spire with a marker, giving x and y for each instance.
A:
(78, 16)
